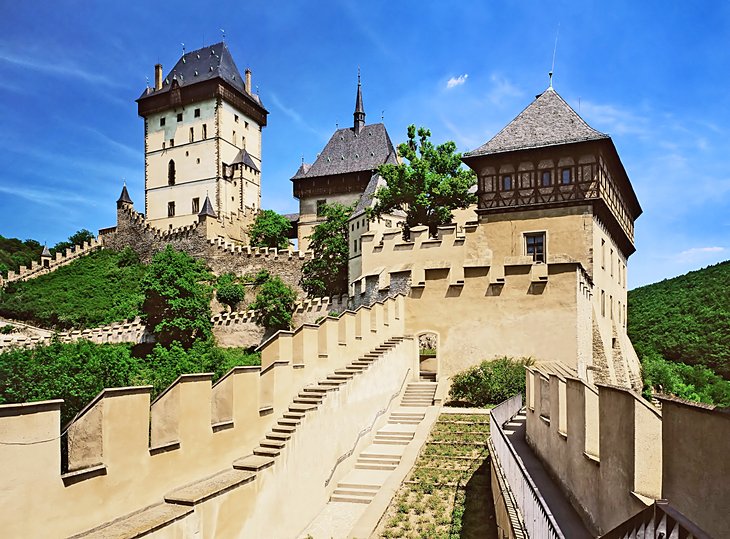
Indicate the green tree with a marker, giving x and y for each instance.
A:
(270, 229)
(75, 239)
(274, 304)
(490, 382)
(326, 273)
(177, 298)
(229, 292)
(428, 187)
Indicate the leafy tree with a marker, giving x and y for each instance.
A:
(270, 229)
(177, 298)
(428, 187)
(15, 253)
(229, 292)
(490, 382)
(75, 239)
(274, 304)
(326, 273)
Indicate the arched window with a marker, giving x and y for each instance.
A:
(171, 172)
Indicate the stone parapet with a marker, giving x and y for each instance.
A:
(51, 264)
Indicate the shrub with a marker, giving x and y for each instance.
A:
(229, 292)
(270, 230)
(274, 304)
(490, 382)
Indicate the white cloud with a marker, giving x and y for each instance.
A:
(60, 68)
(699, 253)
(613, 119)
(293, 114)
(456, 81)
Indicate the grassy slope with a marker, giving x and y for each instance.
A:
(97, 289)
(685, 319)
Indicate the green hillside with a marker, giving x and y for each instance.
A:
(15, 253)
(97, 289)
(680, 328)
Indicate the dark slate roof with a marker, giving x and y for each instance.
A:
(124, 197)
(245, 158)
(367, 196)
(347, 152)
(214, 61)
(547, 121)
(207, 209)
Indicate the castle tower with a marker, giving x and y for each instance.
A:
(342, 171)
(203, 129)
(552, 190)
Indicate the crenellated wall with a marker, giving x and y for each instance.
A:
(61, 259)
(126, 453)
(612, 454)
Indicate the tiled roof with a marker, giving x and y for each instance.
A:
(124, 197)
(347, 152)
(245, 158)
(208, 209)
(214, 61)
(547, 121)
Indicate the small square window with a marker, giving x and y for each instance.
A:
(172, 142)
(507, 182)
(197, 113)
(535, 246)
(565, 176)
(196, 205)
(320, 207)
(179, 116)
(546, 178)
(162, 122)
(171, 209)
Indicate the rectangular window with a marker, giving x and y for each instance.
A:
(354, 245)
(179, 116)
(546, 178)
(506, 182)
(196, 205)
(603, 254)
(610, 306)
(603, 303)
(171, 209)
(197, 113)
(611, 262)
(535, 246)
(162, 122)
(192, 135)
(245, 124)
(565, 176)
(163, 144)
(205, 131)
(234, 138)
(172, 142)
(235, 118)
(320, 207)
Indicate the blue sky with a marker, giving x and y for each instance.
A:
(654, 75)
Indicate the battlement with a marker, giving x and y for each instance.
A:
(48, 265)
(132, 452)
(615, 453)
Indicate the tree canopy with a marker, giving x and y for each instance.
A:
(270, 229)
(429, 186)
(326, 273)
(274, 304)
(177, 298)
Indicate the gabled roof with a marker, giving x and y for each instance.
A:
(245, 158)
(207, 209)
(547, 121)
(348, 152)
(214, 61)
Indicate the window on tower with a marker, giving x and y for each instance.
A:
(565, 176)
(535, 246)
(172, 142)
(507, 183)
(196, 205)
(197, 113)
(171, 209)
(234, 137)
(179, 116)
(192, 135)
(235, 118)
(162, 122)
(205, 131)
(546, 178)
(320, 207)
(171, 172)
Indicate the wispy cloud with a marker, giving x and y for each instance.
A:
(293, 114)
(57, 67)
(46, 197)
(453, 82)
(696, 254)
(615, 119)
(502, 89)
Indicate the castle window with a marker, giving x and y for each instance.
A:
(320, 207)
(565, 176)
(192, 135)
(205, 131)
(507, 183)
(171, 172)
(603, 303)
(603, 254)
(234, 137)
(163, 144)
(235, 118)
(179, 116)
(162, 122)
(171, 209)
(245, 124)
(535, 246)
(354, 245)
(611, 260)
(196, 205)
(546, 178)
(197, 113)
(172, 142)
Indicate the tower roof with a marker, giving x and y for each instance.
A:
(547, 121)
(46, 252)
(359, 114)
(207, 210)
(207, 63)
(124, 197)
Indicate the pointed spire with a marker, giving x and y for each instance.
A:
(124, 198)
(207, 210)
(46, 253)
(359, 109)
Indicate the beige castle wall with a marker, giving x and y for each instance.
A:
(618, 453)
(308, 219)
(61, 259)
(117, 469)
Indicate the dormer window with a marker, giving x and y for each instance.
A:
(506, 182)
(565, 176)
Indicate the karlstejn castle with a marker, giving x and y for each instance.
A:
(322, 433)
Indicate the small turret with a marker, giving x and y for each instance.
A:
(46, 257)
(124, 199)
(207, 210)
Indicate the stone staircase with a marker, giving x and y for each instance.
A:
(182, 501)
(419, 394)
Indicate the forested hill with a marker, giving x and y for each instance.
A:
(685, 319)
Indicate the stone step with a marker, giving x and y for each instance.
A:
(390, 442)
(339, 491)
(407, 415)
(403, 421)
(288, 429)
(349, 499)
(289, 421)
(253, 463)
(267, 451)
(302, 407)
(379, 460)
(205, 489)
(315, 390)
(342, 377)
(347, 372)
(293, 415)
(278, 436)
(359, 486)
(356, 368)
(307, 400)
(141, 522)
(274, 444)
(335, 383)
(359, 363)
(328, 387)
(384, 467)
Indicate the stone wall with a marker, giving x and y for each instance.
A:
(61, 259)
(132, 453)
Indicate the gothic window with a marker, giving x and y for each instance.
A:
(171, 172)
(171, 209)
(234, 137)
(546, 178)
(565, 176)
(196, 205)
(535, 246)
(507, 183)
